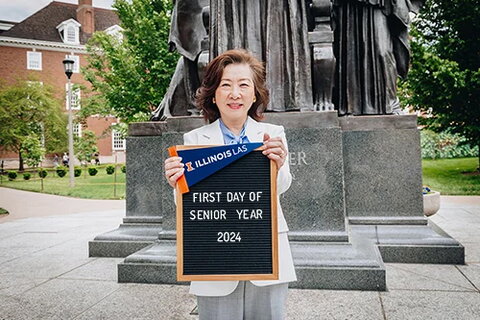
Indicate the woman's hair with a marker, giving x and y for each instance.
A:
(213, 76)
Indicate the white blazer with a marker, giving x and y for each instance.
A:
(212, 135)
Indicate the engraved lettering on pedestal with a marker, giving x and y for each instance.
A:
(297, 158)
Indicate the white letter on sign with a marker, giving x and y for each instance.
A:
(255, 196)
(235, 196)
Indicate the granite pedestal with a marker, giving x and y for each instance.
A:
(324, 254)
(148, 195)
(383, 199)
(355, 198)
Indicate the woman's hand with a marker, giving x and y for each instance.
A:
(274, 149)
(173, 170)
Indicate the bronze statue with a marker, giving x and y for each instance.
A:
(187, 31)
(294, 38)
(275, 31)
(372, 51)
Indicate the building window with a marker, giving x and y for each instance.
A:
(118, 142)
(34, 60)
(115, 31)
(75, 102)
(34, 83)
(71, 34)
(77, 129)
(69, 31)
(76, 62)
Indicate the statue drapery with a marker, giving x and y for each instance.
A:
(370, 45)
(276, 32)
(372, 51)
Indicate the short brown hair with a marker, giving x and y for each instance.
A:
(213, 76)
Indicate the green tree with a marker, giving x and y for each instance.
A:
(131, 73)
(29, 108)
(85, 146)
(32, 150)
(444, 79)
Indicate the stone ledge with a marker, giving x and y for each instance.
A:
(423, 254)
(412, 243)
(309, 119)
(383, 122)
(127, 239)
(115, 249)
(385, 220)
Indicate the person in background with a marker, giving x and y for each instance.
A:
(65, 159)
(96, 156)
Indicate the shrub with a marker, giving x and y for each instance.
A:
(61, 171)
(26, 176)
(124, 169)
(42, 173)
(110, 169)
(77, 172)
(12, 175)
(92, 171)
(445, 145)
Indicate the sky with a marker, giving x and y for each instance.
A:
(17, 10)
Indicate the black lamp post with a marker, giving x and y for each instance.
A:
(68, 67)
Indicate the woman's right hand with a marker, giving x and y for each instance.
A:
(173, 170)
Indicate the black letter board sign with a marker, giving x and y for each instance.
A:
(227, 223)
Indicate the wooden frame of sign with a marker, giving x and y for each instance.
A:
(201, 250)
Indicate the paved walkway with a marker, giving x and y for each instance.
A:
(24, 204)
(45, 272)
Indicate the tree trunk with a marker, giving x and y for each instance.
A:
(478, 167)
(20, 162)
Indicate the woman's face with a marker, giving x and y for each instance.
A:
(236, 92)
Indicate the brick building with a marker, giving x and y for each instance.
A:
(39, 44)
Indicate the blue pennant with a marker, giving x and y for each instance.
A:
(203, 162)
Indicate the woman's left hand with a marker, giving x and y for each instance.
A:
(274, 149)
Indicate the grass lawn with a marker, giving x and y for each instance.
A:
(445, 175)
(100, 186)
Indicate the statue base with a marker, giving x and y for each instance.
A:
(355, 201)
(318, 265)
(132, 235)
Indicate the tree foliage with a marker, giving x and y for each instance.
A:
(32, 151)
(444, 79)
(131, 73)
(28, 108)
(85, 146)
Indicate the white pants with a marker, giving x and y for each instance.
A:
(247, 302)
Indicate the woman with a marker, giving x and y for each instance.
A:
(232, 97)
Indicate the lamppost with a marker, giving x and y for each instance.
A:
(68, 67)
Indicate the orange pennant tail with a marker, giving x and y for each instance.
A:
(182, 185)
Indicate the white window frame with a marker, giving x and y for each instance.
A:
(77, 129)
(31, 83)
(76, 62)
(117, 143)
(63, 31)
(76, 96)
(36, 58)
(70, 34)
(115, 31)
